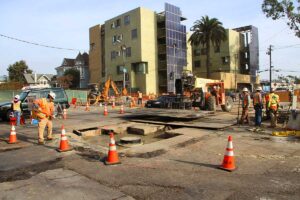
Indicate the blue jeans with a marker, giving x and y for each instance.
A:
(18, 117)
(258, 115)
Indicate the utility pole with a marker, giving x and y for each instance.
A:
(270, 55)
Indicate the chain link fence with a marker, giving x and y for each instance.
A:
(8, 95)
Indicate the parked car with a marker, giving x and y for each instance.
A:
(169, 101)
(61, 98)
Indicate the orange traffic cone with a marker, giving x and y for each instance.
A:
(65, 113)
(13, 135)
(87, 106)
(122, 109)
(105, 113)
(228, 161)
(64, 146)
(112, 157)
(113, 105)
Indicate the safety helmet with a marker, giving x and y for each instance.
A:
(245, 89)
(52, 95)
(17, 97)
(259, 89)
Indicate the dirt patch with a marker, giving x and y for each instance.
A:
(151, 154)
(89, 154)
(28, 172)
(188, 142)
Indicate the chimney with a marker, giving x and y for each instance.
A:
(35, 78)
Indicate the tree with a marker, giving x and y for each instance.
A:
(17, 70)
(284, 9)
(73, 77)
(206, 32)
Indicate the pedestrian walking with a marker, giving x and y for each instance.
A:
(258, 106)
(140, 98)
(273, 106)
(44, 111)
(16, 107)
(245, 106)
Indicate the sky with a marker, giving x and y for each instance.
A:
(66, 23)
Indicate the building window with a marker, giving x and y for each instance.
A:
(128, 52)
(113, 25)
(203, 51)
(120, 69)
(140, 68)
(197, 64)
(118, 23)
(113, 55)
(127, 20)
(217, 49)
(92, 46)
(134, 34)
(114, 39)
(225, 59)
(197, 52)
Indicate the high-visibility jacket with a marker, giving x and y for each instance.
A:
(273, 101)
(43, 108)
(16, 106)
(246, 101)
(257, 99)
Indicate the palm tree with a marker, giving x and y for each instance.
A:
(206, 32)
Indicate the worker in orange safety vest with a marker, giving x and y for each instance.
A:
(273, 106)
(43, 110)
(245, 106)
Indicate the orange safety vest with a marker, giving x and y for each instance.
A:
(257, 99)
(43, 108)
(245, 101)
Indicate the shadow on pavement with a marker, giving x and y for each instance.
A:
(200, 164)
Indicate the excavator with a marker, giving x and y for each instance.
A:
(95, 96)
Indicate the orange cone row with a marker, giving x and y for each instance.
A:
(105, 113)
(65, 113)
(87, 106)
(122, 109)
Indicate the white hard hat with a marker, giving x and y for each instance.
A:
(245, 89)
(259, 89)
(17, 97)
(52, 94)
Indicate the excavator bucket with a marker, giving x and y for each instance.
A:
(116, 90)
(124, 92)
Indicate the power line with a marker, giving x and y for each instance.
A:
(38, 44)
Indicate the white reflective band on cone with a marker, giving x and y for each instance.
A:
(13, 133)
(229, 153)
(112, 141)
(230, 145)
(112, 148)
(13, 128)
(63, 132)
(64, 138)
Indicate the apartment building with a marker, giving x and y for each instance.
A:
(236, 61)
(140, 49)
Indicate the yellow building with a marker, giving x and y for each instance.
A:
(235, 61)
(150, 46)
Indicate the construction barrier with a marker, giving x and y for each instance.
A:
(80, 95)
(8, 95)
(286, 133)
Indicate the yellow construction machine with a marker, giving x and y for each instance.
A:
(96, 96)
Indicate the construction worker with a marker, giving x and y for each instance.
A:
(258, 106)
(245, 106)
(273, 106)
(16, 108)
(44, 111)
(140, 98)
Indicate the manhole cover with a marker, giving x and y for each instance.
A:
(130, 141)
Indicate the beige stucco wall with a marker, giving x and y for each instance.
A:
(95, 55)
(230, 79)
(189, 53)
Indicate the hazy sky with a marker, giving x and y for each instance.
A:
(65, 23)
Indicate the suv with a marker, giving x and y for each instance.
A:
(170, 101)
(61, 99)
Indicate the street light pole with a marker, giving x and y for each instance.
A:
(270, 54)
(123, 48)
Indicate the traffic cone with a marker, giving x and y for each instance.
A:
(13, 135)
(112, 158)
(87, 106)
(64, 146)
(65, 113)
(122, 109)
(228, 161)
(113, 105)
(105, 113)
